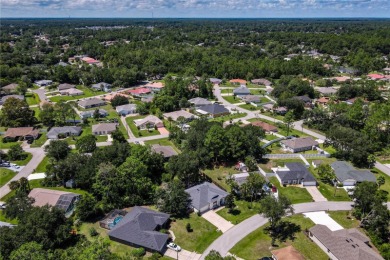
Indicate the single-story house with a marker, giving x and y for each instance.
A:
(149, 122)
(109, 97)
(43, 83)
(341, 79)
(264, 82)
(268, 107)
(140, 228)
(126, 109)
(268, 128)
(65, 131)
(72, 92)
(166, 150)
(10, 88)
(65, 86)
(343, 244)
(60, 199)
(25, 133)
(213, 110)
(155, 86)
(139, 92)
(181, 113)
(305, 99)
(349, 176)
(90, 113)
(199, 102)
(104, 128)
(280, 110)
(296, 145)
(323, 101)
(215, 81)
(287, 253)
(206, 196)
(238, 81)
(102, 86)
(92, 102)
(3, 99)
(250, 99)
(326, 91)
(241, 91)
(294, 173)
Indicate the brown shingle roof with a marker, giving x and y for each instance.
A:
(265, 126)
(21, 132)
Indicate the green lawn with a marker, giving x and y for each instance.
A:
(134, 129)
(40, 141)
(344, 218)
(386, 186)
(242, 211)
(232, 99)
(5, 219)
(270, 137)
(257, 244)
(203, 234)
(37, 111)
(274, 115)
(228, 117)
(258, 92)
(42, 165)
(163, 141)
(101, 138)
(87, 93)
(8, 144)
(25, 161)
(227, 90)
(32, 99)
(220, 174)
(249, 107)
(123, 129)
(5, 176)
(295, 194)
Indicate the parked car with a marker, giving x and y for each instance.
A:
(3, 205)
(175, 247)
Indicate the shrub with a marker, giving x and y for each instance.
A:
(93, 232)
(188, 227)
(138, 252)
(154, 256)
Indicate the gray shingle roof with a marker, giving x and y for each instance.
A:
(202, 194)
(199, 101)
(55, 131)
(214, 109)
(297, 171)
(297, 143)
(91, 102)
(138, 227)
(345, 244)
(242, 90)
(344, 171)
(65, 86)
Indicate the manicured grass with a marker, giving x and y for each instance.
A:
(5, 219)
(344, 218)
(232, 99)
(8, 144)
(37, 111)
(249, 107)
(134, 129)
(242, 211)
(87, 93)
(227, 90)
(162, 141)
(258, 92)
(257, 244)
(295, 194)
(123, 129)
(385, 186)
(40, 141)
(203, 234)
(101, 138)
(32, 99)
(42, 165)
(220, 174)
(5, 176)
(25, 161)
(270, 137)
(274, 115)
(228, 117)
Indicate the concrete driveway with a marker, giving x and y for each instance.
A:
(163, 131)
(315, 193)
(182, 255)
(320, 217)
(218, 221)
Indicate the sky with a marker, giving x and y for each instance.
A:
(195, 8)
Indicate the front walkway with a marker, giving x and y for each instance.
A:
(218, 221)
(182, 255)
(315, 193)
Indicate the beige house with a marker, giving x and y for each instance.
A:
(149, 122)
(104, 128)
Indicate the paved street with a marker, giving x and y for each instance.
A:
(218, 221)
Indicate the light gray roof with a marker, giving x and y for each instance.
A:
(202, 194)
(90, 113)
(242, 90)
(325, 90)
(165, 150)
(129, 107)
(297, 143)
(65, 86)
(264, 82)
(344, 171)
(138, 227)
(176, 114)
(251, 98)
(12, 86)
(199, 101)
(214, 109)
(3, 99)
(91, 102)
(345, 244)
(55, 131)
(104, 127)
(98, 85)
(297, 171)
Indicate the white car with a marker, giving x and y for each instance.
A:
(173, 246)
(3, 205)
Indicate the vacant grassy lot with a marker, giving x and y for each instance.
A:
(242, 211)
(249, 107)
(134, 129)
(257, 244)
(295, 194)
(344, 218)
(163, 141)
(5, 176)
(203, 234)
(220, 174)
(232, 99)
(87, 93)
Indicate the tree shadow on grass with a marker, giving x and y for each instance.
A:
(284, 230)
(234, 212)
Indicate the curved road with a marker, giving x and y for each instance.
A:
(231, 237)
